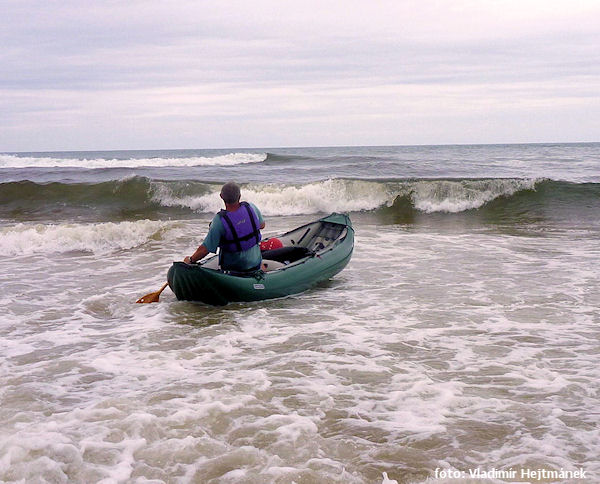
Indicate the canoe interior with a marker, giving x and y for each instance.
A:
(316, 237)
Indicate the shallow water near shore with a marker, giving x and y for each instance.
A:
(453, 340)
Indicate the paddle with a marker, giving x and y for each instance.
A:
(153, 296)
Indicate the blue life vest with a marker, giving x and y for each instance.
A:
(242, 231)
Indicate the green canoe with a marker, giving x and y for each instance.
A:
(312, 253)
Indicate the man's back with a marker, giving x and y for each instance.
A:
(249, 257)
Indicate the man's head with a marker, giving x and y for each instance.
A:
(230, 193)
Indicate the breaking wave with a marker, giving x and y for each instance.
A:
(140, 197)
(97, 238)
(231, 159)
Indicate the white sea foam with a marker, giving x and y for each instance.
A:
(321, 197)
(430, 350)
(340, 195)
(275, 199)
(458, 196)
(13, 161)
(163, 194)
(99, 238)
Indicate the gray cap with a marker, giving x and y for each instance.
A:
(230, 193)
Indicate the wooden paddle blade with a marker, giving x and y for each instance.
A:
(153, 296)
(149, 298)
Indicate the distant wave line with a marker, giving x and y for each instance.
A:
(231, 159)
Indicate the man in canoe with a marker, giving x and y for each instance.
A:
(236, 230)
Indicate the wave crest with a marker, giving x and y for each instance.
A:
(343, 195)
(98, 238)
(458, 196)
(140, 197)
(231, 159)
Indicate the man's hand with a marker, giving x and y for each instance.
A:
(201, 253)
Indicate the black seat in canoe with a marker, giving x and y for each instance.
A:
(286, 254)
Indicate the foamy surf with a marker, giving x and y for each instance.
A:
(280, 200)
(98, 238)
(493, 200)
(307, 389)
(342, 195)
(231, 159)
(458, 196)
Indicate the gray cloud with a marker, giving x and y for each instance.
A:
(196, 74)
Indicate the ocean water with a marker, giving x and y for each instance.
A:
(463, 335)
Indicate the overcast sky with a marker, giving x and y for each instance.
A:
(78, 75)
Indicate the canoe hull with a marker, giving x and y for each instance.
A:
(192, 282)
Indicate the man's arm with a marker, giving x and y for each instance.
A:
(201, 253)
(259, 215)
(210, 242)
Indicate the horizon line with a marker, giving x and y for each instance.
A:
(303, 147)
